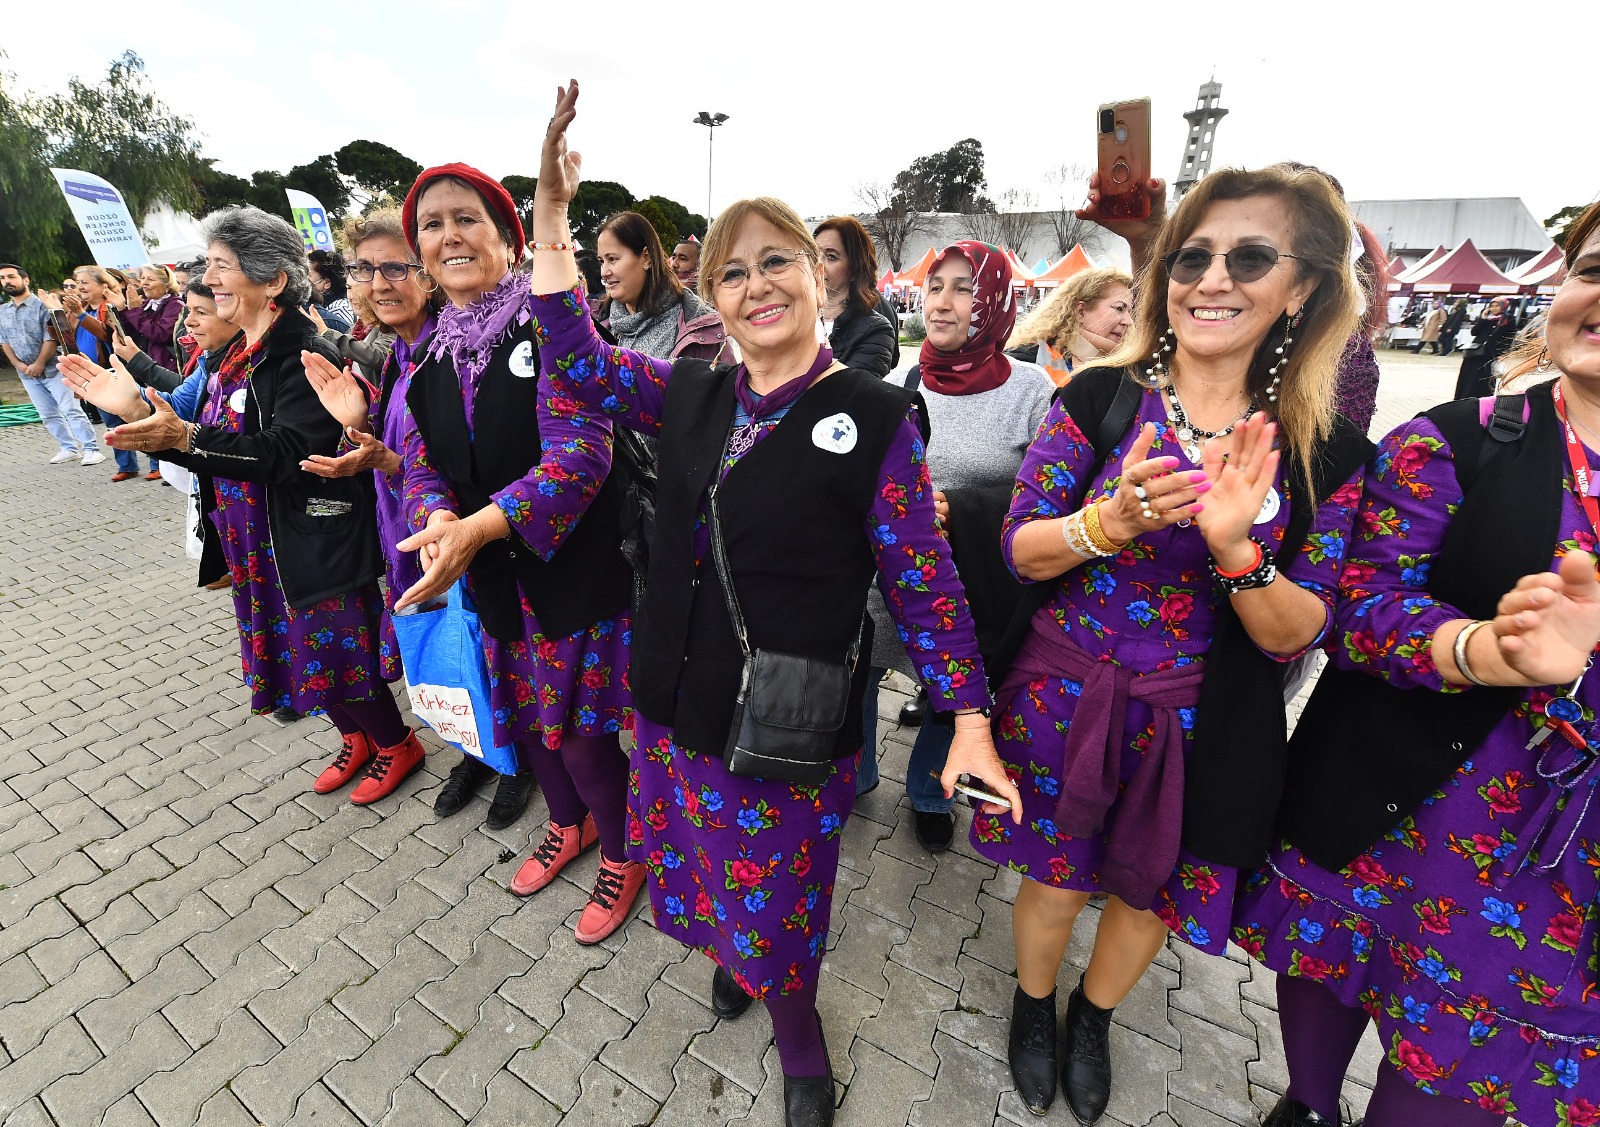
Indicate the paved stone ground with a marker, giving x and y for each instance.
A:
(189, 935)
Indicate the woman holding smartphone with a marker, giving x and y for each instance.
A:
(1159, 513)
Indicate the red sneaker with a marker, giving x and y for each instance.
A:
(346, 765)
(391, 766)
(560, 845)
(615, 887)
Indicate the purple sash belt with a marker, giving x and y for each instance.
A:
(1142, 846)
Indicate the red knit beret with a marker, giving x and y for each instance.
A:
(487, 186)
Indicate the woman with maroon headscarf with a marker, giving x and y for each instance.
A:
(983, 410)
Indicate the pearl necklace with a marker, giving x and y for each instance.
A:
(1191, 437)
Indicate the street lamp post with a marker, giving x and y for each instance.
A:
(710, 121)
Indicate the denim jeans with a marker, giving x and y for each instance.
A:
(928, 753)
(127, 460)
(60, 412)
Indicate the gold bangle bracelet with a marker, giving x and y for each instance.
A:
(1097, 534)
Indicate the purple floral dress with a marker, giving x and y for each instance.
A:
(539, 687)
(1150, 608)
(302, 659)
(743, 868)
(1471, 931)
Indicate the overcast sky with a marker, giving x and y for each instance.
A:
(1398, 99)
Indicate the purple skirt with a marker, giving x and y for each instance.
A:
(742, 869)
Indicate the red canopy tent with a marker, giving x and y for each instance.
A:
(1463, 270)
(886, 281)
(1399, 277)
(1073, 262)
(1544, 272)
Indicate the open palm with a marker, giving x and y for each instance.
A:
(1549, 624)
(560, 170)
(111, 389)
(1241, 468)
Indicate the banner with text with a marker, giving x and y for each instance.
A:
(311, 219)
(103, 217)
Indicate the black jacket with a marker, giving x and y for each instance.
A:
(864, 341)
(324, 530)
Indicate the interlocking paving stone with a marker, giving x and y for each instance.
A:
(966, 1087)
(31, 1114)
(19, 981)
(609, 1101)
(415, 1106)
(539, 993)
(17, 901)
(367, 1084)
(701, 1095)
(623, 982)
(128, 1112)
(83, 1097)
(88, 901)
(376, 939)
(200, 1016)
(218, 950)
(297, 944)
(111, 1021)
(175, 1097)
(285, 1009)
(250, 845)
(318, 839)
(123, 916)
(59, 957)
(511, 1103)
(225, 1110)
(904, 1026)
(306, 890)
(46, 921)
(455, 998)
(380, 883)
(26, 1023)
(212, 864)
(862, 952)
(373, 1003)
(139, 952)
(233, 894)
(553, 1065)
(645, 1057)
(320, 1108)
(271, 1090)
(65, 1051)
(461, 1077)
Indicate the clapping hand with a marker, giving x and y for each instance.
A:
(339, 392)
(1548, 625)
(1240, 468)
(113, 389)
(163, 430)
(369, 454)
(1150, 495)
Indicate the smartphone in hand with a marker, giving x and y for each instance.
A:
(964, 786)
(1123, 142)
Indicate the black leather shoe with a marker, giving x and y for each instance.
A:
(935, 831)
(1086, 1077)
(912, 712)
(283, 714)
(462, 783)
(1032, 1050)
(808, 1100)
(728, 998)
(1293, 1113)
(510, 799)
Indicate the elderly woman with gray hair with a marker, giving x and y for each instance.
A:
(302, 550)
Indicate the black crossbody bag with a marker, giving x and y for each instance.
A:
(790, 708)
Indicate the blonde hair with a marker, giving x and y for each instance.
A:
(1056, 321)
(98, 273)
(720, 238)
(166, 275)
(1320, 241)
(382, 223)
(1527, 353)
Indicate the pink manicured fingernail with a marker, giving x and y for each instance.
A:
(1203, 487)
(1197, 507)
(1197, 476)
(1169, 462)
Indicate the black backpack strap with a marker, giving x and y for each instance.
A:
(1118, 417)
(1460, 422)
(913, 380)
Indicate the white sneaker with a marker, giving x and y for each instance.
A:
(92, 458)
(63, 457)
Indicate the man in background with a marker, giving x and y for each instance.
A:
(686, 262)
(31, 348)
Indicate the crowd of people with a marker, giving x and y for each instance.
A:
(1105, 541)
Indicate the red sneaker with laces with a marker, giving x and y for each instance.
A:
(346, 765)
(560, 845)
(390, 767)
(615, 887)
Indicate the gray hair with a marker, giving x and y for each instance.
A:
(264, 245)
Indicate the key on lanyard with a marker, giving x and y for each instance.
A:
(1562, 714)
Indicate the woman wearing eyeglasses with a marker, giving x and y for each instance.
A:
(1176, 568)
(512, 488)
(819, 483)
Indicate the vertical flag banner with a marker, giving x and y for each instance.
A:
(103, 217)
(311, 219)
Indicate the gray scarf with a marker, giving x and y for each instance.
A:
(654, 335)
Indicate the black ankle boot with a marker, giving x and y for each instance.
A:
(808, 1100)
(1086, 1077)
(728, 998)
(510, 799)
(1032, 1050)
(1293, 1113)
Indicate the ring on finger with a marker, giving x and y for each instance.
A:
(1140, 492)
(1147, 510)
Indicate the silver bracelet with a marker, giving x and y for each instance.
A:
(1459, 652)
(1077, 536)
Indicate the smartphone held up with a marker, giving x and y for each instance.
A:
(1123, 136)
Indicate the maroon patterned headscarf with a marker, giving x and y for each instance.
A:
(981, 364)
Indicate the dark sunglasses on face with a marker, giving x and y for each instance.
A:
(394, 271)
(1248, 262)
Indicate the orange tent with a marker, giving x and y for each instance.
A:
(1074, 261)
(917, 275)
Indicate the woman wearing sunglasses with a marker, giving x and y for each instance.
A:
(1441, 869)
(1160, 515)
(813, 473)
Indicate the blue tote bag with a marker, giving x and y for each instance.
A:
(446, 677)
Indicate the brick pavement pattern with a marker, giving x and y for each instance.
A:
(189, 935)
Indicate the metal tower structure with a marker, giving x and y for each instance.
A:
(1202, 132)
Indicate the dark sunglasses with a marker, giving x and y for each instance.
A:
(394, 271)
(1248, 262)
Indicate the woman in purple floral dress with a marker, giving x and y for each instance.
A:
(1441, 874)
(539, 538)
(820, 481)
(1175, 576)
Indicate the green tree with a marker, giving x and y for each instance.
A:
(683, 221)
(321, 178)
(1556, 226)
(596, 201)
(377, 169)
(953, 180)
(657, 216)
(521, 189)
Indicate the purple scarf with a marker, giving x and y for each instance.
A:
(402, 351)
(779, 399)
(1142, 846)
(468, 336)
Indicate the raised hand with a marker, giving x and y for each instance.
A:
(113, 389)
(124, 347)
(339, 392)
(1140, 233)
(1548, 625)
(1241, 468)
(1169, 497)
(369, 454)
(559, 169)
(163, 430)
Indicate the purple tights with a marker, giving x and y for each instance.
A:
(378, 718)
(798, 1031)
(1320, 1034)
(587, 775)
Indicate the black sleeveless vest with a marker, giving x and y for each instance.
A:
(1365, 754)
(794, 515)
(587, 579)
